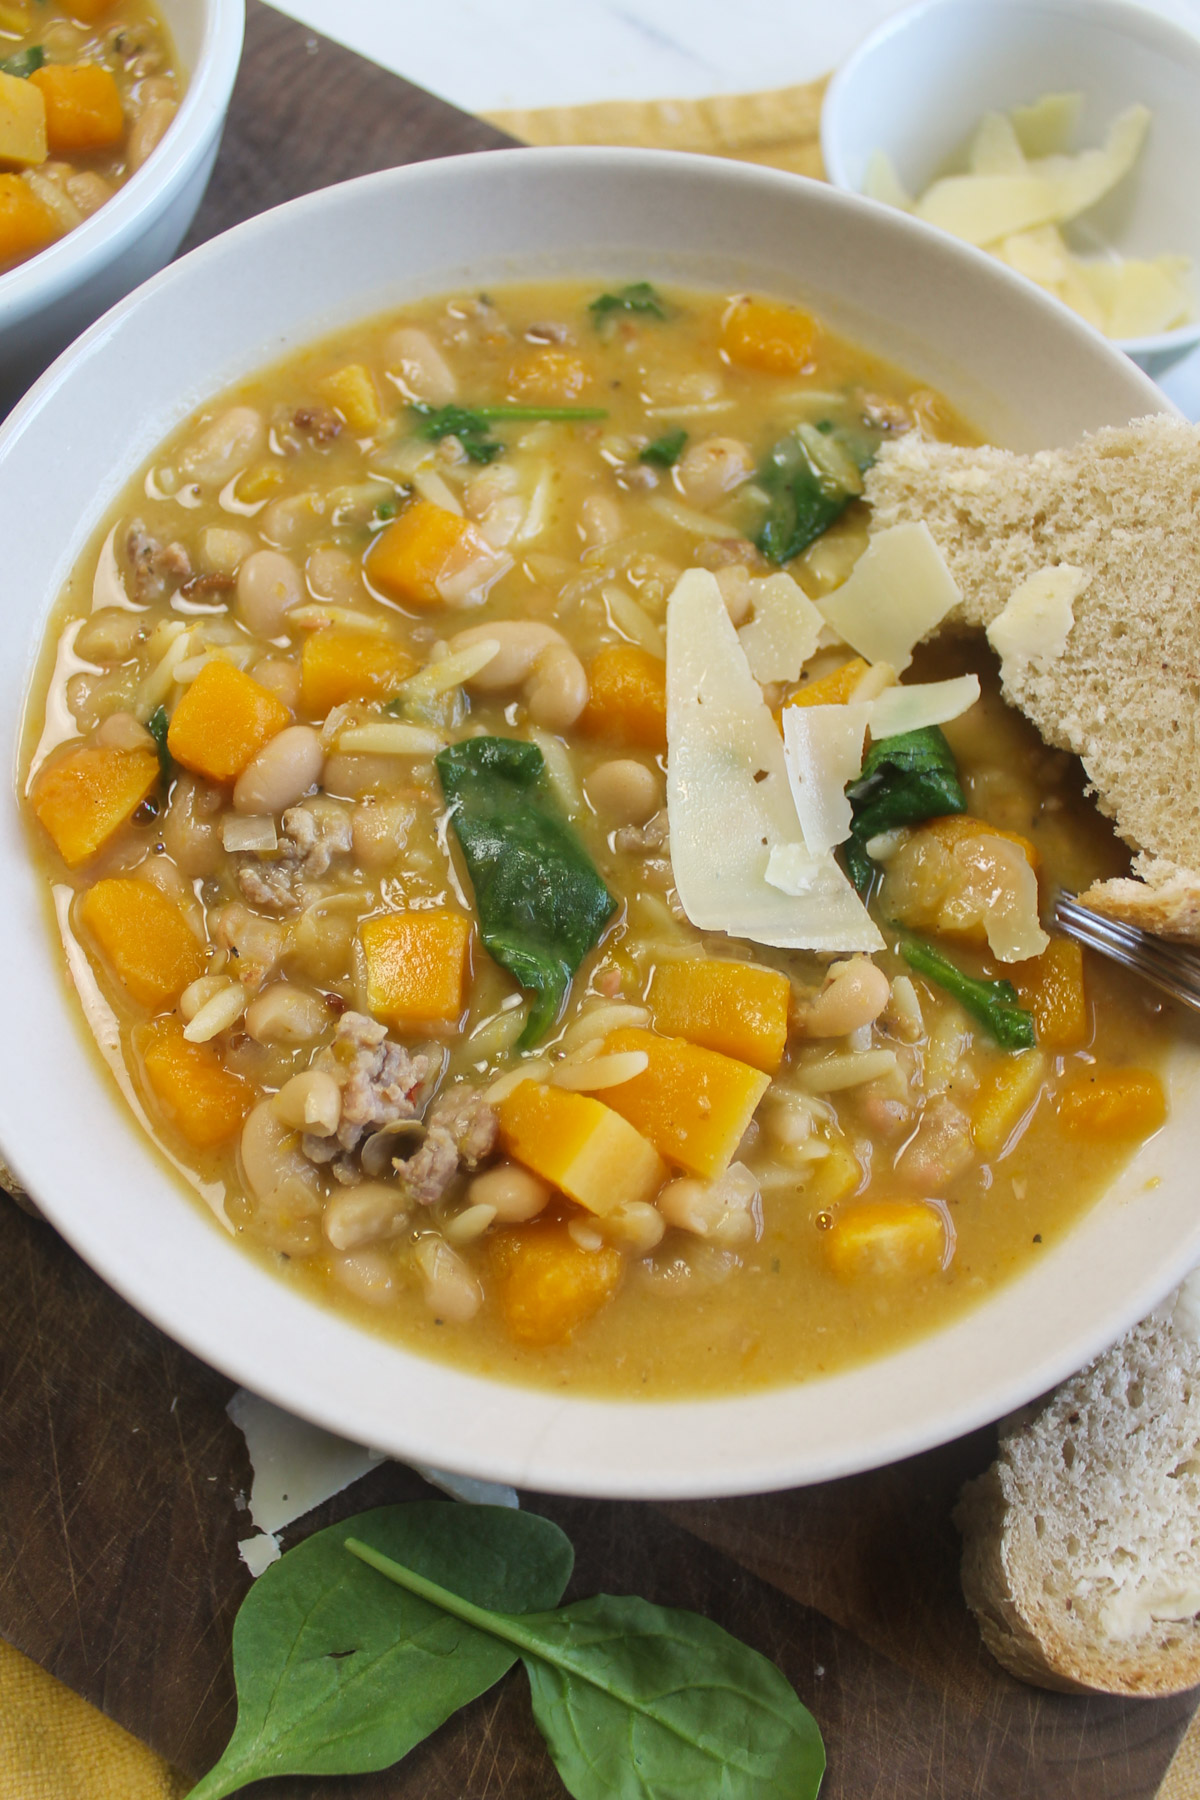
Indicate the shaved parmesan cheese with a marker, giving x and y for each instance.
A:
(823, 750)
(794, 870)
(1022, 186)
(994, 148)
(1037, 620)
(1048, 125)
(982, 208)
(881, 182)
(729, 805)
(925, 703)
(898, 591)
(783, 632)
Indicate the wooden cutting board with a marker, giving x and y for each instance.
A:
(122, 1480)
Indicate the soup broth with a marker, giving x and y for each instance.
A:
(347, 770)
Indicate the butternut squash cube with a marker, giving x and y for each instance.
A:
(582, 1146)
(410, 554)
(196, 1094)
(627, 698)
(22, 123)
(834, 1177)
(777, 339)
(833, 689)
(418, 966)
(1112, 1103)
(738, 1008)
(352, 392)
(548, 1285)
(1051, 988)
(144, 938)
(222, 722)
(337, 665)
(90, 10)
(86, 795)
(886, 1240)
(83, 108)
(548, 375)
(1006, 1093)
(693, 1104)
(26, 226)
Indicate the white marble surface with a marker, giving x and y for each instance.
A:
(482, 54)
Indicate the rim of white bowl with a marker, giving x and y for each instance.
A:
(535, 1437)
(71, 261)
(1174, 40)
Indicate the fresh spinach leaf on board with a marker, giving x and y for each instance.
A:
(995, 1004)
(666, 449)
(638, 297)
(469, 424)
(904, 779)
(642, 1702)
(338, 1673)
(541, 904)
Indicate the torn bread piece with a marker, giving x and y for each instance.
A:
(1117, 514)
(1081, 1560)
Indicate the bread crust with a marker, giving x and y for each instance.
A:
(1122, 507)
(1069, 1590)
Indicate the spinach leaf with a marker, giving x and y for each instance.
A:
(158, 725)
(338, 1674)
(638, 297)
(541, 904)
(666, 449)
(639, 1702)
(23, 62)
(993, 1003)
(469, 424)
(904, 779)
(810, 477)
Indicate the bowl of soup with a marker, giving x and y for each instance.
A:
(397, 766)
(110, 117)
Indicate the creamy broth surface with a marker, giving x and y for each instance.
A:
(325, 582)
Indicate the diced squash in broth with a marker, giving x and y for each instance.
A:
(1051, 986)
(351, 389)
(693, 1104)
(82, 798)
(84, 113)
(581, 1146)
(886, 1240)
(1006, 1094)
(737, 1008)
(25, 224)
(410, 555)
(779, 340)
(22, 123)
(198, 1097)
(1112, 1103)
(145, 940)
(550, 1286)
(223, 720)
(833, 689)
(338, 665)
(628, 698)
(418, 967)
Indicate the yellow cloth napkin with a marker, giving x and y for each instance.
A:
(53, 1745)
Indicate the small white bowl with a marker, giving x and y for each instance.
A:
(1020, 366)
(918, 86)
(50, 299)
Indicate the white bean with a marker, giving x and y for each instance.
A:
(636, 1226)
(288, 1217)
(380, 831)
(222, 548)
(418, 366)
(535, 658)
(110, 635)
(122, 731)
(148, 130)
(334, 575)
(191, 830)
(365, 1214)
(224, 446)
(282, 773)
(514, 1194)
(310, 1101)
(624, 790)
(268, 585)
(282, 677)
(707, 471)
(284, 1014)
(451, 1291)
(287, 521)
(855, 993)
(367, 1275)
(270, 1154)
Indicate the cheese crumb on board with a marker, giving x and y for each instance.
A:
(729, 804)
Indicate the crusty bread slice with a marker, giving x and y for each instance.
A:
(1123, 693)
(1081, 1551)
